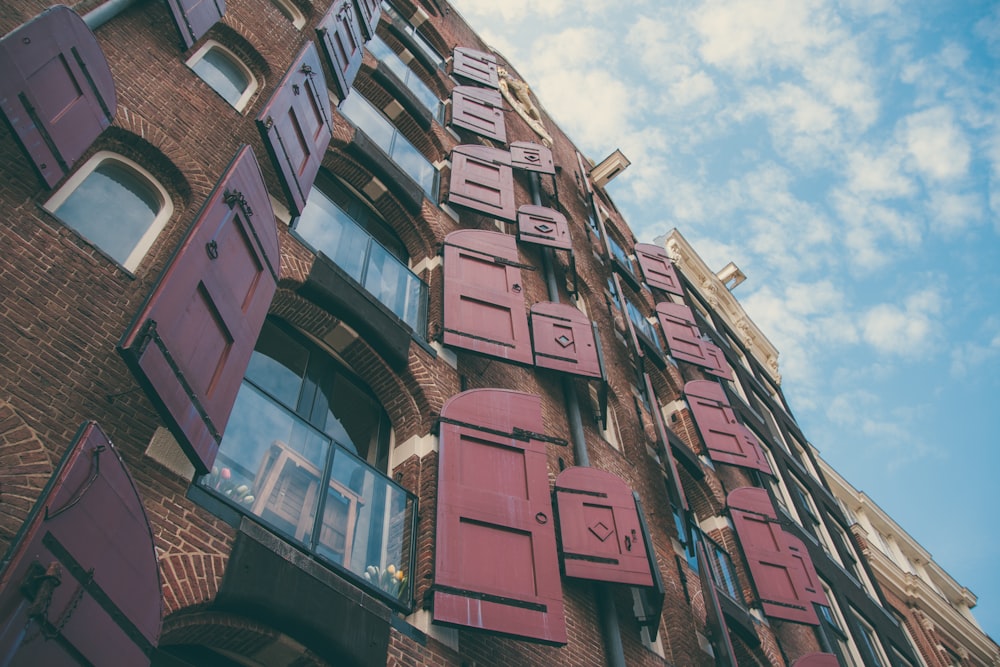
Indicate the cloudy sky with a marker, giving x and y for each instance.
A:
(846, 155)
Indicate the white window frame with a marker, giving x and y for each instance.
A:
(156, 226)
(252, 84)
(291, 12)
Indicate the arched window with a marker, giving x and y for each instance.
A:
(305, 452)
(115, 204)
(221, 69)
(291, 12)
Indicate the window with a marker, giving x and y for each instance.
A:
(116, 204)
(305, 451)
(831, 633)
(643, 327)
(380, 130)
(867, 642)
(224, 73)
(723, 573)
(414, 37)
(337, 223)
(420, 90)
(291, 12)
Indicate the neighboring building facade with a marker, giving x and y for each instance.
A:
(321, 344)
(934, 608)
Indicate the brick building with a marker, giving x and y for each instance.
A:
(322, 345)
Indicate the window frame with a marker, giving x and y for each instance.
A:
(291, 12)
(145, 242)
(242, 103)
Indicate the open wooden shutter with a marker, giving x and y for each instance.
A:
(809, 582)
(193, 18)
(682, 334)
(482, 180)
(495, 564)
(727, 440)
(776, 572)
(369, 11)
(483, 297)
(479, 110)
(657, 268)
(715, 361)
(56, 90)
(343, 46)
(85, 557)
(543, 226)
(296, 127)
(532, 157)
(817, 660)
(563, 339)
(714, 618)
(602, 536)
(191, 341)
(475, 66)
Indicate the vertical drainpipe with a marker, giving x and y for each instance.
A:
(606, 612)
(100, 15)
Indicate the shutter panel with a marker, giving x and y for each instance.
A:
(817, 660)
(483, 298)
(482, 180)
(343, 46)
(543, 226)
(602, 536)
(682, 334)
(296, 127)
(776, 573)
(715, 361)
(370, 11)
(193, 18)
(190, 343)
(727, 440)
(479, 110)
(532, 157)
(563, 339)
(475, 66)
(89, 530)
(810, 585)
(56, 90)
(714, 617)
(658, 269)
(495, 565)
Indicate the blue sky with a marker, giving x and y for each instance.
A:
(846, 155)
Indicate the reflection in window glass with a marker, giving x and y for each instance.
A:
(377, 127)
(420, 90)
(223, 72)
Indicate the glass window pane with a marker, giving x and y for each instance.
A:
(329, 229)
(369, 120)
(349, 415)
(113, 208)
(220, 72)
(420, 90)
(415, 164)
(278, 365)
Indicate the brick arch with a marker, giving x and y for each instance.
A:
(25, 468)
(190, 579)
(234, 634)
(407, 400)
(238, 38)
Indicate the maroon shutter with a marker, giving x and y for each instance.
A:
(482, 179)
(475, 66)
(479, 110)
(532, 157)
(342, 43)
(714, 617)
(657, 268)
(817, 660)
(495, 565)
(727, 440)
(88, 534)
(776, 573)
(715, 361)
(682, 334)
(544, 226)
(563, 339)
(190, 344)
(194, 17)
(369, 11)
(296, 127)
(808, 582)
(483, 297)
(56, 90)
(602, 536)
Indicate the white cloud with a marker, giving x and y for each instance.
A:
(510, 10)
(937, 145)
(952, 212)
(877, 173)
(875, 233)
(907, 330)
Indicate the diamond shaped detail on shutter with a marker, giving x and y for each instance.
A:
(601, 531)
(475, 66)
(564, 339)
(543, 226)
(727, 440)
(191, 341)
(532, 157)
(482, 180)
(296, 127)
(343, 46)
(56, 90)
(479, 110)
(657, 268)
(193, 18)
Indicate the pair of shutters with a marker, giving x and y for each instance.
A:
(475, 67)
(56, 90)
(190, 343)
(81, 583)
(496, 566)
(484, 309)
(342, 32)
(782, 570)
(479, 110)
(686, 343)
(727, 440)
(482, 178)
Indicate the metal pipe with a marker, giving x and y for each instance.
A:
(100, 15)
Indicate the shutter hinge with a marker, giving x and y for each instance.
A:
(234, 197)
